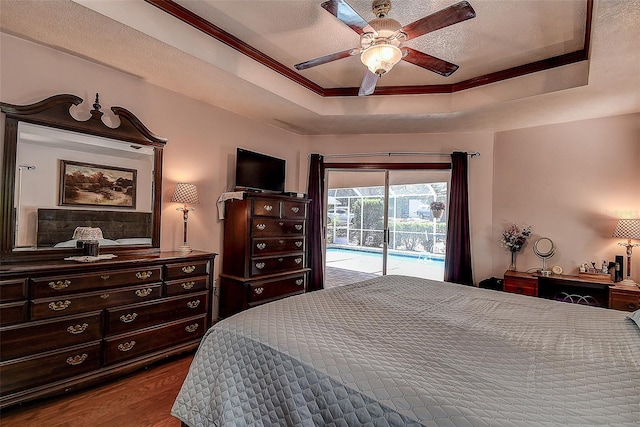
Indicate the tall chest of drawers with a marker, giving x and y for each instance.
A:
(66, 325)
(264, 254)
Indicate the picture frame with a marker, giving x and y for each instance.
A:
(89, 184)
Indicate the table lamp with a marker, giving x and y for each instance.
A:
(628, 229)
(185, 194)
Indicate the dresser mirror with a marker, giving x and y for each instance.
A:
(61, 172)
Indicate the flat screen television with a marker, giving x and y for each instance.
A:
(256, 171)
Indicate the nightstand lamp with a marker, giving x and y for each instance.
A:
(185, 194)
(628, 229)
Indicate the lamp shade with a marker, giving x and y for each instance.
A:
(185, 193)
(87, 233)
(627, 229)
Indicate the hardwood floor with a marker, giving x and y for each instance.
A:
(138, 400)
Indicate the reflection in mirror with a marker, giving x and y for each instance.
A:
(544, 248)
(42, 221)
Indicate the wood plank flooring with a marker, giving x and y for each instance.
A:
(142, 399)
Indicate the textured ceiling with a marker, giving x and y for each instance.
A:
(139, 39)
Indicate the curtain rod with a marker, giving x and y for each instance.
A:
(402, 153)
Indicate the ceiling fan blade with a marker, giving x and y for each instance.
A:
(448, 16)
(368, 85)
(341, 10)
(431, 63)
(327, 58)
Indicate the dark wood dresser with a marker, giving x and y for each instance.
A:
(264, 254)
(68, 324)
(598, 291)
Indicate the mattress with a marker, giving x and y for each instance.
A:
(398, 350)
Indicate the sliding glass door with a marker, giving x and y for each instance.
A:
(381, 222)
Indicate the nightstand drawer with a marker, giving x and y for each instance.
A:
(43, 368)
(267, 289)
(520, 287)
(622, 299)
(71, 304)
(44, 335)
(138, 316)
(63, 285)
(127, 346)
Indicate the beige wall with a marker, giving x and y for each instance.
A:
(586, 172)
(571, 182)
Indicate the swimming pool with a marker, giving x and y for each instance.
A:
(427, 266)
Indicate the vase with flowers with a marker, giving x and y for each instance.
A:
(514, 238)
(437, 208)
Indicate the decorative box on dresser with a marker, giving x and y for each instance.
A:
(597, 290)
(67, 324)
(264, 253)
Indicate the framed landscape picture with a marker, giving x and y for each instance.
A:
(97, 185)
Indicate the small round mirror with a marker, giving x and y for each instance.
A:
(544, 248)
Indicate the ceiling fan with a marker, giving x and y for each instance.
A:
(381, 39)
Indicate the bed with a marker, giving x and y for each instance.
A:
(398, 350)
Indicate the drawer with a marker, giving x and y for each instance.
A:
(44, 368)
(267, 289)
(13, 290)
(71, 304)
(266, 207)
(271, 265)
(275, 228)
(138, 316)
(268, 246)
(185, 286)
(62, 285)
(520, 287)
(44, 335)
(13, 312)
(123, 347)
(186, 269)
(624, 301)
(295, 210)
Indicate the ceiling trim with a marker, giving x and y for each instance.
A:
(190, 18)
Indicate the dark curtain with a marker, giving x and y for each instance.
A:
(315, 225)
(457, 262)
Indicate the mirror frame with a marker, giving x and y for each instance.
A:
(55, 112)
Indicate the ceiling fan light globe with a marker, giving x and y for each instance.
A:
(381, 58)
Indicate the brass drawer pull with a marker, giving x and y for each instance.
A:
(298, 227)
(193, 304)
(143, 275)
(60, 284)
(261, 246)
(298, 260)
(60, 305)
(268, 208)
(261, 226)
(191, 328)
(189, 269)
(104, 296)
(295, 209)
(76, 360)
(298, 244)
(144, 292)
(281, 241)
(280, 259)
(188, 285)
(259, 290)
(105, 277)
(260, 265)
(299, 282)
(126, 346)
(128, 318)
(281, 223)
(77, 329)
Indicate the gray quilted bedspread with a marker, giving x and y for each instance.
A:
(404, 351)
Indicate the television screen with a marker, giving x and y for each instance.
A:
(255, 171)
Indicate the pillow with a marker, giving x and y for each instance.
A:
(635, 316)
(135, 241)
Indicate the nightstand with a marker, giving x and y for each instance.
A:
(624, 297)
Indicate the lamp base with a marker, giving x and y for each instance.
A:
(185, 249)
